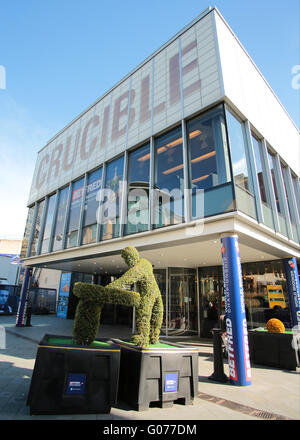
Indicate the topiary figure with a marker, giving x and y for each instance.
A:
(149, 313)
(148, 302)
(275, 326)
(92, 298)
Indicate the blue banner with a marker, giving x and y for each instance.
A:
(236, 322)
(292, 281)
(21, 314)
(63, 295)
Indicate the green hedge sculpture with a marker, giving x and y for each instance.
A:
(148, 302)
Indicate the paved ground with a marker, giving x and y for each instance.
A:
(274, 393)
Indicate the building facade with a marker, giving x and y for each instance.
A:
(190, 147)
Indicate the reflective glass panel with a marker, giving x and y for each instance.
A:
(138, 190)
(274, 182)
(259, 168)
(27, 231)
(238, 152)
(48, 224)
(37, 228)
(60, 219)
(89, 231)
(169, 181)
(74, 214)
(208, 150)
(111, 202)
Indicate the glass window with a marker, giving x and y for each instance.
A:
(259, 168)
(209, 163)
(37, 228)
(89, 231)
(169, 181)
(27, 231)
(111, 202)
(285, 186)
(60, 219)
(74, 214)
(272, 169)
(295, 181)
(138, 190)
(238, 152)
(48, 224)
(208, 157)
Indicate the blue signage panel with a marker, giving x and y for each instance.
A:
(63, 295)
(21, 314)
(171, 382)
(292, 280)
(236, 322)
(76, 383)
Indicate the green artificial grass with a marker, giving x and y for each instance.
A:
(158, 345)
(266, 331)
(69, 341)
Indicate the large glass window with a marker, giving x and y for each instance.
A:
(295, 181)
(259, 168)
(27, 231)
(60, 219)
(209, 162)
(89, 231)
(37, 228)
(111, 202)
(138, 190)
(274, 182)
(48, 224)
(238, 152)
(245, 200)
(74, 214)
(169, 182)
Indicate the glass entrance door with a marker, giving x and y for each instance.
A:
(212, 303)
(182, 304)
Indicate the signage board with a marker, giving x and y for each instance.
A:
(76, 383)
(171, 382)
(236, 322)
(293, 285)
(63, 295)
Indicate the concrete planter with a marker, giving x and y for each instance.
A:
(274, 349)
(165, 373)
(72, 379)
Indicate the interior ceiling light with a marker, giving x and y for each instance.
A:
(198, 179)
(171, 170)
(204, 157)
(195, 133)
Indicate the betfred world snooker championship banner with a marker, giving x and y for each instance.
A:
(236, 322)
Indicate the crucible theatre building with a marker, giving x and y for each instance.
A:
(192, 159)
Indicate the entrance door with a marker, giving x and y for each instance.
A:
(211, 299)
(182, 305)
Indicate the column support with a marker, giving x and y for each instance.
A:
(236, 322)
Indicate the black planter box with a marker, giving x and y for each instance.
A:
(164, 375)
(74, 379)
(274, 349)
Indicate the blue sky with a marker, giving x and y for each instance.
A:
(60, 56)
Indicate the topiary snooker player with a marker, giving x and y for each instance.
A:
(148, 302)
(149, 313)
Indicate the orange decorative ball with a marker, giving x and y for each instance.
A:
(275, 326)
